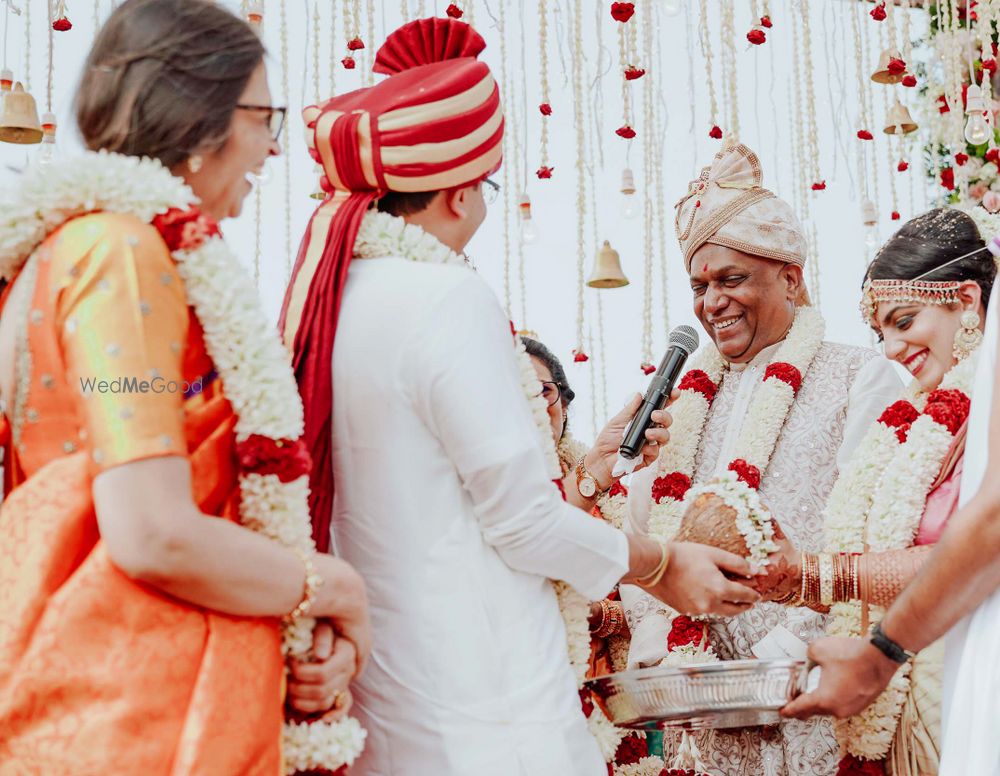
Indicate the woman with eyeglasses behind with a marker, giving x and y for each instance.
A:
(155, 530)
(588, 484)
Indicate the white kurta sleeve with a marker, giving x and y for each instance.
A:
(876, 387)
(465, 382)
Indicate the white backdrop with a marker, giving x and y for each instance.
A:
(766, 105)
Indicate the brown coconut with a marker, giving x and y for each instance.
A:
(709, 520)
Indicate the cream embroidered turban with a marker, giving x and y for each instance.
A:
(728, 205)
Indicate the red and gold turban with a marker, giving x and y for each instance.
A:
(435, 123)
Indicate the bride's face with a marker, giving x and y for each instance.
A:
(921, 337)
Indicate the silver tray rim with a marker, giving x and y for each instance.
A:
(697, 669)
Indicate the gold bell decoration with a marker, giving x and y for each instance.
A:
(608, 269)
(891, 68)
(19, 122)
(900, 122)
(318, 192)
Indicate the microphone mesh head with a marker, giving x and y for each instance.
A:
(684, 337)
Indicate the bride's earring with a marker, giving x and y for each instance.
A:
(968, 337)
(194, 164)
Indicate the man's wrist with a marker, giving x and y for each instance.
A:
(889, 647)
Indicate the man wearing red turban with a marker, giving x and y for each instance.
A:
(419, 419)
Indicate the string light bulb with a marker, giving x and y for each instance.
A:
(6, 80)
(47, 152)
(528, 229)
(255, 14)
(629, 202)
(869, 217)
(672, 7)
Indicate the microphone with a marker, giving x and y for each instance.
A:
(682, 343)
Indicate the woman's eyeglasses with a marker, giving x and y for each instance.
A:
(491, 191)
(275, 116)
(551, 392)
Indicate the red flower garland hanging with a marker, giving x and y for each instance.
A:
(990, 66)
(949, 407)
(715, 132)
(909, 81)
(896, 66)
(674, 485)
(961, 159)
(747, 472)
(622, 12)
(948, 178)
(348, 63)
(878, 12)
(625, 131)
(355, 44)
(902, 166)
(864, 134)
(185, 230)
(647, 368)
(787, 373)
(580, 357)
(62, 24)
(819, 186)
(765, 21)
(895, 215)
(545, 109)
(756, 36)
(455, 12)
(899, 415)
(944, 107)
(285, 458)
(632, 73)
(544, 173)
(631, 749)
(993, 155)
(697, 380)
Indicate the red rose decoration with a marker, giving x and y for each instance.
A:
(684, 631)
(909, 81)
(697, 380)
(622, 12)
(864, 134)
(674, 485)
(632, 749)
(545, 109)
(715, 132)
(878, 13)
(617, 490)
(896, 66)
(786, 373)
(647, 368)
(895, 215)
(632, 73)
(348, 63)
(949, 407)
(579, 357)
(185, 230)
(899, 413)
(948, 178)
(544, 172)
(626, 132)
(586, 702)
(756, 37)
(943, 107)
(902, 167)
(854, 766)
(62, 24)
(747, 472)
(288, 459)
(993, 155)
(455, 12)
(765, 21)
(990, 66)
(961, 158)
(355, 44)
(819, 186)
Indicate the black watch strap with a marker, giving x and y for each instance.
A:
(887, 646)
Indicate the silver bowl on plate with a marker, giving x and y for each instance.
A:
(730, 693)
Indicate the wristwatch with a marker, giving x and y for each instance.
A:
(586, 482)
(887, 646)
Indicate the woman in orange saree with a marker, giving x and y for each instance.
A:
(140, 591)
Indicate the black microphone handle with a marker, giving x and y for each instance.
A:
(657, 395)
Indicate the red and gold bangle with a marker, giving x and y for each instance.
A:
(612, 618)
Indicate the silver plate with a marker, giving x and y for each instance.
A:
(730, 693)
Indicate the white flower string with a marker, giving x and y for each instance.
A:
(51, 66)
(809, 74)
(287, 95)
(706, 51)
(623, 63)
(728, 31)
(864, 120)
(27, 46)
(370, 47)
(581, 172)
(245, 349)
(543, 68)
(648, 213)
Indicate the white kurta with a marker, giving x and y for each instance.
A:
(971, 717)
(844, 391)
(444, 506)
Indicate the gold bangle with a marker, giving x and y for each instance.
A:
(604, 618)
(611, 620)
(653, 578)
(825, 578)
(310, 586)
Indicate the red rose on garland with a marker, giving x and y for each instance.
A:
(617, 490)
(455, 12)
(819, 186)
(697, 380)
(944, 107)
(864, 134)
(545, 109)
(285, 458)
(544, 173)
(684, 631)
(765, 21)
(899, 413)
(62, 24)
(949, 407)
(902, 167)
(878, 13)
(647, 368)
(185, 230)
(909, 81)
(993, 155)
(632, 73)
(747, 472)
(895, 215)
(961, 159)
(631, 749)
(580, 357)
(756, 37)
(715, 132)
(348, 63)
(948, 178)
(896, 66)
(786, 373)
(674, 485)
(355, 44)
(622, 12)
(990, 66)
(855, 766)
(626, 132)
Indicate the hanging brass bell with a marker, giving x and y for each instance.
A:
(19, 122)
(883, 74)
(318, 192)
(608, 269)
(899, 121)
